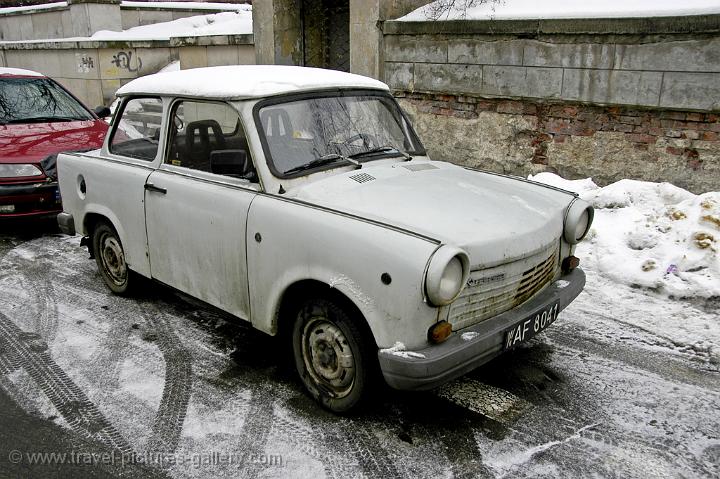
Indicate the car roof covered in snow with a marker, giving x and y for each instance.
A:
(19, 72)
(245, 81)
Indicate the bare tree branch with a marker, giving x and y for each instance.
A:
(439, 8)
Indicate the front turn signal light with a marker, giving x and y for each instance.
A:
(439, 332)
(570, 263)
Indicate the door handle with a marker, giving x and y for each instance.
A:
(156, 189)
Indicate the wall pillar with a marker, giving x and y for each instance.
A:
(277, 30)
(90, 16)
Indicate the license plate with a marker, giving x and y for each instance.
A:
(528, 328)
(7, 208)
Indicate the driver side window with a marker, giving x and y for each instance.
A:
(208, 136)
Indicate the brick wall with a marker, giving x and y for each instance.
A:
(572, 139)
(608, 98)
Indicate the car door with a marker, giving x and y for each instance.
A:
(196, 206)
(115, 188)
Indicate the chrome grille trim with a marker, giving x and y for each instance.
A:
(495, 290)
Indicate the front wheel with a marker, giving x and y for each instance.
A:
(110, 258)
(333, 355)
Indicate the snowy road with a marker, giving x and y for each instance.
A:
(604, 392)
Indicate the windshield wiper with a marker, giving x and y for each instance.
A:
(381, 149)
(324, 160)
(41, 119)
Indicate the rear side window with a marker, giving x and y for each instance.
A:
(137, 131)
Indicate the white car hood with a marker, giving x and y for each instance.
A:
(495, 219)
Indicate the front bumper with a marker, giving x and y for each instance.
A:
(29, 199)
(456, 356)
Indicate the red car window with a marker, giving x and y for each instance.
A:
(37, 100)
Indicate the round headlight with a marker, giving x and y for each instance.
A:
(19, 170)
(447, 272)
(578, 219)
(451, 280)
(582, 226)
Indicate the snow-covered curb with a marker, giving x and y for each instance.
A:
(556, 9)
(226, 23)
(651, 235)
(145, 5)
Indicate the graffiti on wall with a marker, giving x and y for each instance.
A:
(85, 63)
(124, 61)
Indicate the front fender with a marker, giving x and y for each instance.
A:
(290, 242)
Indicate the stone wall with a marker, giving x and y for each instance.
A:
(610, 99)
(94, 70)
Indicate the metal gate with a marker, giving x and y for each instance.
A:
(326, 34)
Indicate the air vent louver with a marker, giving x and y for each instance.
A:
(362, 177)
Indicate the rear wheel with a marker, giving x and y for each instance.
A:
(334, 357)
(110, 258)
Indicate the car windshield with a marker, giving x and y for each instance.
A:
(35, 100)
(306, 134)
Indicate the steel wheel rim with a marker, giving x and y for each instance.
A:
(113, 259)
(328, 357)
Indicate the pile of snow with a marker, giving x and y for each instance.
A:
(652, 235)
(153, 5)
(226, 23)
(533, 9)
(185, 5)
(236, 22)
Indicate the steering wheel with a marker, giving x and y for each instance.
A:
(368, 140)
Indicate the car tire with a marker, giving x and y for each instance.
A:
(110, 258)
(334, 357)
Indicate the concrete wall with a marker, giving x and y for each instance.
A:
(643, 94)
(94, 71)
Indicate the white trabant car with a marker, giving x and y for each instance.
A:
(302, 201)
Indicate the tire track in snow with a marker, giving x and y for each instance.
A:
(332, 440)
(303, 436)
(36, 275)
(170, 416)
(610, 445)
(373, 459)
(255, 431)
(78, 411)
(113, 344)
(663, 365)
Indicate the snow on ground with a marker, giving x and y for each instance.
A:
(535, 9)
(652, 235)
(624, 385)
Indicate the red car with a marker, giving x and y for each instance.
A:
(38, 119)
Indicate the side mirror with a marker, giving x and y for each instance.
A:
(102, 111)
